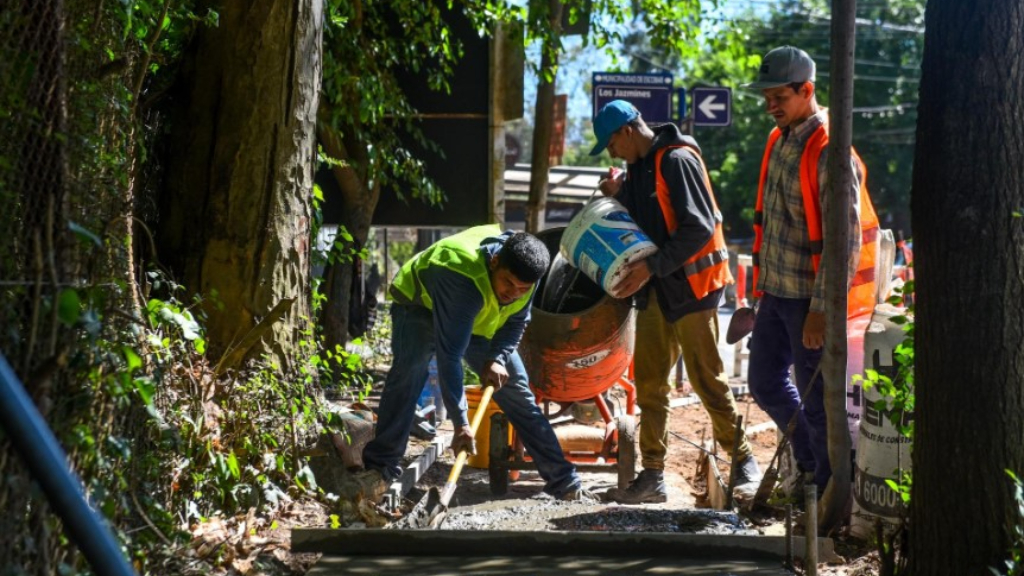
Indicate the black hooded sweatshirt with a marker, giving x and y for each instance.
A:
(691, 201)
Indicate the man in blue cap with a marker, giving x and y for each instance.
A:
(679, 288)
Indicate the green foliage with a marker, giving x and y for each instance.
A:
(1014, 565)
(170, 320)
(401, 251)
(367, 47)
(342, 248)
(205, 446)
(896, 402)
(898, 391)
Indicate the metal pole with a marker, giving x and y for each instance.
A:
(840, 183)
(788, 562)
(47, 463)
(811, 529)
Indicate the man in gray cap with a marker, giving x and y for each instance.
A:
(788, 270)
(678, 289)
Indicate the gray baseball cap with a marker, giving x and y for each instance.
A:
(784, 65)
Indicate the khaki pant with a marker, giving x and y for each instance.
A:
(658, 345)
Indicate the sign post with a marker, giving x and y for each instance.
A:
(650, 93)
(712, 106)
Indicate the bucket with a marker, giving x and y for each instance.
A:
(881, 449)
(483, 434)
(602, 239)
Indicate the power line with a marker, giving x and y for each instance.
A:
(880, 64)
(880, 109)
(870, 78)
(866, 22)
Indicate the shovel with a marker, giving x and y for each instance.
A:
(432, 509)
(741, 324)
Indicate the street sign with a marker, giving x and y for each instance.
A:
(712, 106)
(650, 93)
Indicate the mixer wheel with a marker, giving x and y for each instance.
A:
(498, 454)
(626, 459)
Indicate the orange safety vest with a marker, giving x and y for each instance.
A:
(862, 296)
(708, 269)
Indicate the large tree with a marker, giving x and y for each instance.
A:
(968, 190)
(235, 220)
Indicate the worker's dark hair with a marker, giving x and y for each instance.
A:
(796, 86)
(525, 256)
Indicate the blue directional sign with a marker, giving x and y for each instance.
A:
(712, 106)
(650, 93)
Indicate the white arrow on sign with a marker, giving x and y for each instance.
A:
(709, 107)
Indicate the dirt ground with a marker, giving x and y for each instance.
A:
(691, 422)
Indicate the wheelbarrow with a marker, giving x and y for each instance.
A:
(578, 345)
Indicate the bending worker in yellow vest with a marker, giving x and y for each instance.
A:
(667, 193)
(788, 271)
(467, 297)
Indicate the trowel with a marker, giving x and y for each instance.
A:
(432, 509)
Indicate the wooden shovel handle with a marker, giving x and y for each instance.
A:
(481, 408)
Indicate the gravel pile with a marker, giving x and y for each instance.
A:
(544, 513)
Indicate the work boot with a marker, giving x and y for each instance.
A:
(649, 486)
(580, 494)
(748, 479)
(367, 484)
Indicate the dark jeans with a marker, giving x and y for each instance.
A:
(412, 343)
(775, 345)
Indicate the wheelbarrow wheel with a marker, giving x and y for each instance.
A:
(626, 458)
(498, 453)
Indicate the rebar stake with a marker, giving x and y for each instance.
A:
(811, 529)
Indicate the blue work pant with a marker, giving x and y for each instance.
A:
(412, 343)
(775, 345)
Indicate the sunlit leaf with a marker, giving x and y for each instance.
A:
(69, 306)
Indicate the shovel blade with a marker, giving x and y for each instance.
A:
(429, 512)
(741, 324)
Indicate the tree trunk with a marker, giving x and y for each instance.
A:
(358, 203)
(238, 202)
(836, 500)
(542, 121)
(968, 190)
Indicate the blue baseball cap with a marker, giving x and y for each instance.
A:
(611, 117)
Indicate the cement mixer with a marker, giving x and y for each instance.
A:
(578, 345)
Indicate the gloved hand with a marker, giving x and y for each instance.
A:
(463, 439)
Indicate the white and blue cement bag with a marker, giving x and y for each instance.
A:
(602, 239)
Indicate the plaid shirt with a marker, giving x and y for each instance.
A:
(786, 269)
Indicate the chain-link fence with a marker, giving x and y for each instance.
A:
(62, 138)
